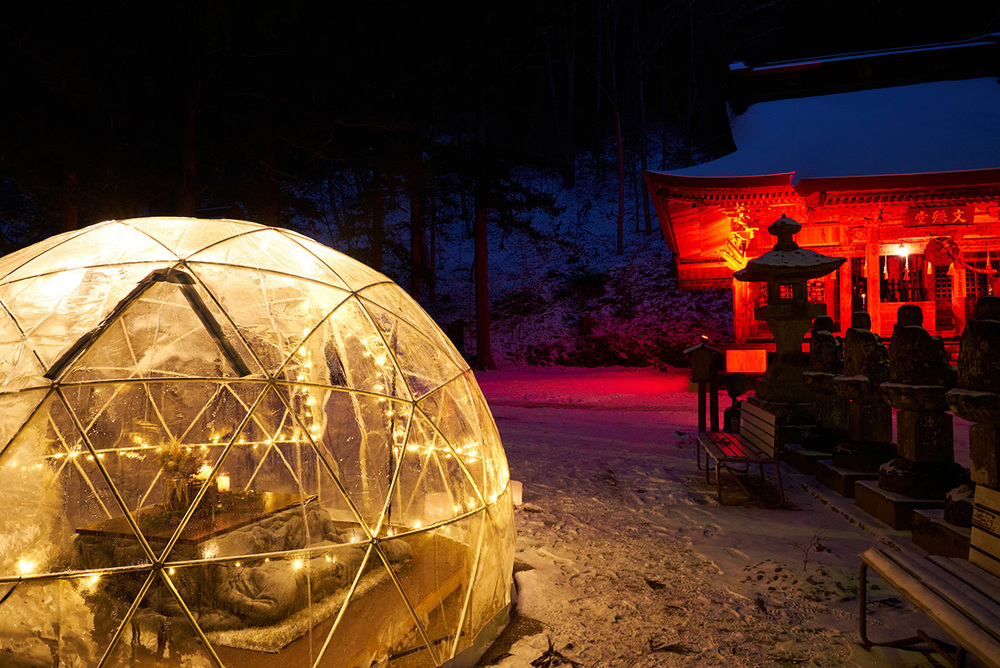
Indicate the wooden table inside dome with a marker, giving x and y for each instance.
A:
(198, 529)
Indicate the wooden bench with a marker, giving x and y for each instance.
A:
(961, 596)
(755, 444)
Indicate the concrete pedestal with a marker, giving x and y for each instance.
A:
(870, 422)
(802, 458)
(786, 412)
(892, 509)
(840, 480)
(863, 457)
(937, 536)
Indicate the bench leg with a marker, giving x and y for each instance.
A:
(954, 655)
(781, 488)
(718, 480)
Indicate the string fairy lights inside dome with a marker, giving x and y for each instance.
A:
(223, 443)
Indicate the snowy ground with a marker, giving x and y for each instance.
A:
(624, 557)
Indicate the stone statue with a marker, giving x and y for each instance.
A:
(866, 366)
(826, 351)
(919, 377)
(826, 362)
(977, 397)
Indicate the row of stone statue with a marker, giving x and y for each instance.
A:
(857, 382)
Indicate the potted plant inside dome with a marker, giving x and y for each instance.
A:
(179, 465)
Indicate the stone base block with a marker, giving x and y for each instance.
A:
(802, 458)
(840, 480)
(832, 412)
(786, 412)
(925, 437)
(934, 534)
(892, 509)
(863, 457)
(920, 480)
(871, 422)
(824, 440)
(783, 390)
(984, 454)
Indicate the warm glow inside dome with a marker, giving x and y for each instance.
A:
(227, 444)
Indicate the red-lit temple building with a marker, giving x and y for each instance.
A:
(890, 159)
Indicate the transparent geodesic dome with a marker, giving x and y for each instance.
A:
(227, 444)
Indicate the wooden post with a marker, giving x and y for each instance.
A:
(742, 311)
(958, 296)
(701, 406)
(846, 296)
(713, 400)
(874, 296)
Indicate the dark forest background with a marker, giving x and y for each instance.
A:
(349, 120)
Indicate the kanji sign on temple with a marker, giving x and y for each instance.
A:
(902, 180)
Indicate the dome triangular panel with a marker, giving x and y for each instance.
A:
(55, 498)
(439, 601)
(184, 236)
(360, 437)
(434, 484)
(103, 245)
(377, 610)
(425, 365)
(274, 313)
(461, 414)
(355, 274)
(55, 310)
(395, 300)
(144, 633)
(19, 368)
(269, 249)
(162, 333)
(13, 261)
(346, 350)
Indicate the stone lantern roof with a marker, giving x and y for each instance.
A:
(787, 260)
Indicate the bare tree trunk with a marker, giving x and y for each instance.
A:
(598, 73)
(432, 245)
(484, 356)
(376, 234)
(569, 132)
(187, 197)
(612, 59)
(557, 128)
(270, 210)
(70, 219)
(647, 218)
(620, 248)
(664, 111)
(418, 232)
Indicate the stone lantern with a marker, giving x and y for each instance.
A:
(786, 268)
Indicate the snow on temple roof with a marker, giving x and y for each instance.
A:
(930, 127)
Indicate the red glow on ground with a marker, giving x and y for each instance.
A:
(586, 388)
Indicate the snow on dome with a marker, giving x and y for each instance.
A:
(223, 443)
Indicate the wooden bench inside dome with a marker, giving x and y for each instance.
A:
(755, 444)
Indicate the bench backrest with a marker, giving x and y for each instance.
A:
(984, 546)
(758, 427)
